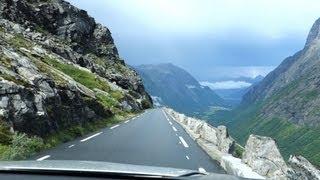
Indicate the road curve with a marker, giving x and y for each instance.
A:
(151, 139)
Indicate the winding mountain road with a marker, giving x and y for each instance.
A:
(152, 139)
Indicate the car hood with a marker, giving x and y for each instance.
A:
(92, 166)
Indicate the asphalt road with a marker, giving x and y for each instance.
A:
(151, 139)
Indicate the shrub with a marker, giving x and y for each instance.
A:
(22, 147)
(19, 41)
(5, 134)
(146, 104)
(238, 151)
(117, 95)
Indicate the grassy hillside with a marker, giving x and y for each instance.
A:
(277, 117)
(291, 138)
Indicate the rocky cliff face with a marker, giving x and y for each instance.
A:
(60, 68)
(176, 88)
(285, 104)
(292, 90)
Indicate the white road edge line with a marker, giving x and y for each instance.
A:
(202, 170)
(114, 126)
(86, 139)
(174, 128)
(183, 142)
(165, 115)
(71, 146)
(43, 158)
(187, 157)
(126, 121)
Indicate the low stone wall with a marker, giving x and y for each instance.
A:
(261, 158)
(216, 142)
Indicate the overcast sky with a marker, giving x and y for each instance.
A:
(209, 38)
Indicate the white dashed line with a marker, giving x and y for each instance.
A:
(86, 139)
(176, 134)
(43, 158)
(114, 126)
(126, 122)
(202, 170)
(174, 128)
(183, 142)
(187, 157)
(71, 146)
(170, 123)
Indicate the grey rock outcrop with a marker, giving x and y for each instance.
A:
(302, 169)
(263, 156)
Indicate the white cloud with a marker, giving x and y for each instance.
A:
(221, 73)
(226, 84)
(251, 71)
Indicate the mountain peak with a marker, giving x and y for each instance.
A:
(314, 32)
(177, 88)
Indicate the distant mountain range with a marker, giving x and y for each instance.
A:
(172, 86)
(285, 104)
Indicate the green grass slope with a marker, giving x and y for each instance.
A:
(291, 138)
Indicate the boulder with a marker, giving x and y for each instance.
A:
(302, 169)
(234, 166)
(209, 133)
(225, 142)
(263, 156)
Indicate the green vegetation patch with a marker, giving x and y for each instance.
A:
(146, 104)
(19, 41)
(5, 61)
(86, 78)
(109, 102)
(14, 79)
(89, 80)
(47, 70)
(238, 151)
(310, 95)
(291, 139)
(41, 29)
(21, 147)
